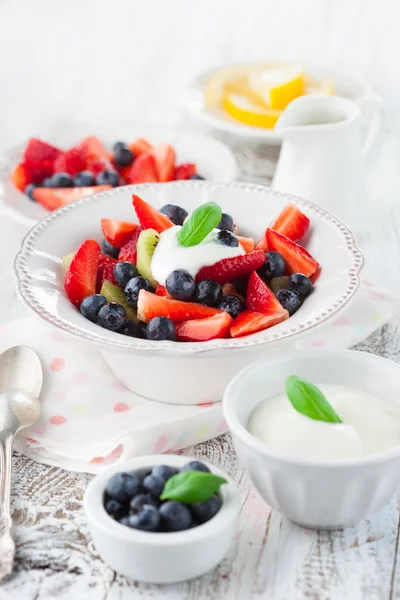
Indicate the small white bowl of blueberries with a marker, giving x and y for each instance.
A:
(162, 518)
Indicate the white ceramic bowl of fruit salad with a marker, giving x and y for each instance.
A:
(199, 333)
(162, 518)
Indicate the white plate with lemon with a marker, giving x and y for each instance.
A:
(248, 99)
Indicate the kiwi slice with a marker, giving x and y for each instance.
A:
(66, 261)
(147, 242)
(113, 293)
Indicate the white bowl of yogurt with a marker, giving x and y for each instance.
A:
(319, 475)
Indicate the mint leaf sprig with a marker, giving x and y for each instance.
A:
(308, 400)
(192, 486)
(200, 223)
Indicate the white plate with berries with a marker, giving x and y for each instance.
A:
(181, 285)
(45, 174)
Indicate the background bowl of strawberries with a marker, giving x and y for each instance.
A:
(189, 371)
(47, 172)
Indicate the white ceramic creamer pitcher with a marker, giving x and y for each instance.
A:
(322, 156)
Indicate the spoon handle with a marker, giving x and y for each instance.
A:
(7, 546)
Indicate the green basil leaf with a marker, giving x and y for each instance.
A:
(308, 400)
(200, 223)
(192, 486)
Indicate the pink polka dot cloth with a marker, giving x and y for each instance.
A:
(89, 420)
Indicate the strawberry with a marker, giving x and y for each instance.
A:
(93, 148)
(149, 217)
(53, 198)
(139, 146)
(246, 243)
(37, 150)
(105, 271)
(228, 289)
(118, 233)
(31, 172)
(72, 161)
(161, 291)
(185, 171)
(248, 322)
(143, 169)
(202, 330)
(229, 268)
(260, 298)
(165, 156)
(128, 252)
(291, 223)
(97, 164)
(150, 306)
(298, 260)
(80, 279)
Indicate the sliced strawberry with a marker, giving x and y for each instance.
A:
(72, 161)
(118, 233)
(202, 330)
(31, 172)
(124, 172)
(53, 198)
(246, 243)
(161, 291)
(260, 298)
(248, 322)
(105, 271)
(143, 170)
(80, 279)
(139, 146)
(229, 268)
(97, 164)
(149, 217)
(128, 252)
(228, 289)
(298, 260)
(93, 148)
(150, 306)
(165, 156)
(37, 150)
(185, 171)
(291, 223)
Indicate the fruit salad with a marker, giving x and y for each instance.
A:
(190, 278)
(54, 177)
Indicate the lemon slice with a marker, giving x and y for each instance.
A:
(242, 109)
(278, 86)
(233, 79)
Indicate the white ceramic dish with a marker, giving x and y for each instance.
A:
(344, 85)
(183, 373)
(315, 493)
(160, 557)
(214, 160)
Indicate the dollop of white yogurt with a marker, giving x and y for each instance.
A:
(169, 255)
(369, 425)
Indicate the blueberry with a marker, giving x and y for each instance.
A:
(115, 509)
(107, 178)
(161, 328)
(300, 284)
(226, 222)
(163, 471)
(227, 238)
(180, 284)
(241, 284)
(91, 306)
(112, 317)
(175, 213)
(194, 465)
(124, 521)
(133, 329)
(84, 178)
(139, 501)
(124, 272)
(232, 305)
(133, 288)
(175, 516)
(279, 283)
(62, 180)
(109, 249)
(29, 191)
(274, 266)
(289, 300)
(123, 157)
(123, 486)
(197, 176)
(154, 485)
(148, 519)
(118, 145)
(47, 183)
(204, 511)
(208, 292)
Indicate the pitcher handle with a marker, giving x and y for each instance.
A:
(373, 105)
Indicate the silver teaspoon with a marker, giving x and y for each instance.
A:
(20, 384)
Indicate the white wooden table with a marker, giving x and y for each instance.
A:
(93, 59)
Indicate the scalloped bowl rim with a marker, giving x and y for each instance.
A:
(106, 341)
